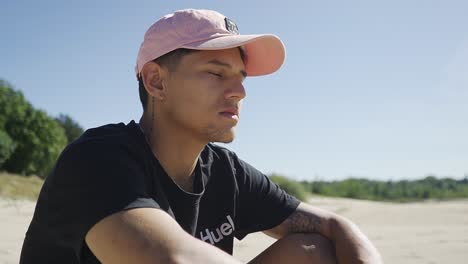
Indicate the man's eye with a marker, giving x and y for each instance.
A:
(216, 74)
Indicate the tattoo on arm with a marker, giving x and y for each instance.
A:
(304, 222)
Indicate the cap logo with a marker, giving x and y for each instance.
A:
(231, 26)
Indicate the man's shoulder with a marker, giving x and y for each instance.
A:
(106, 140)
(108, 133)
(101, 153)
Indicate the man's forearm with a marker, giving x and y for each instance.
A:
(147, 235)
(351, 245)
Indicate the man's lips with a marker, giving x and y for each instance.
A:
(232, 113)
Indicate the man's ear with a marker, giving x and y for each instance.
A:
(152, 75)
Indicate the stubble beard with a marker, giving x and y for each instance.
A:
(209, 133)
(220, 135)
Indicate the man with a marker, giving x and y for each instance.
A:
(159, 191)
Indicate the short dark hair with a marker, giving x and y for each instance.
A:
(171, 61)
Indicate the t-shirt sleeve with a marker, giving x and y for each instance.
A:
(89, 183)
(262, 204)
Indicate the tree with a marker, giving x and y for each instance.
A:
(72, 129)
(38, 138)
(7, 146)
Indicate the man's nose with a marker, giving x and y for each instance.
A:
(235, 90)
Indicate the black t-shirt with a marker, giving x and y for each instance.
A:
(111, 168)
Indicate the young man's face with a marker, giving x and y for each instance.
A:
(203, 94)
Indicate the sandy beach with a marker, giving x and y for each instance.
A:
(425, 232)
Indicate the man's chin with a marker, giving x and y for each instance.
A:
(226, 137)
(225, 141)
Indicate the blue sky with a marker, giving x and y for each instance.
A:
(375, 89)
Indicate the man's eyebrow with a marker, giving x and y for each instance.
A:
(226, 65)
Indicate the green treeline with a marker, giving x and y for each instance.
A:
(402, 191)
(30, 139)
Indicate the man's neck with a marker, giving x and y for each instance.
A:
(176, 151)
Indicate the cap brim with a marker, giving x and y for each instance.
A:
(265, 53)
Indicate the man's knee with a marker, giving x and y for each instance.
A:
(312, 247)
(297, 249)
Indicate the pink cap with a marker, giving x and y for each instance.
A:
(209, 30)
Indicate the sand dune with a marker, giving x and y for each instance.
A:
(424, 232)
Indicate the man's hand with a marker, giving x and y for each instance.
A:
(351, 245)
(148, 235)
